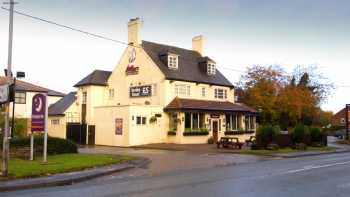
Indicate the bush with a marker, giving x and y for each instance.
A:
(54, 145)
(171, 132)
(299, 132)
(268, 134)
(195, 133)
(316, 134)
(211, 140)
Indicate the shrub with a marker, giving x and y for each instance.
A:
(171, 132)
(300, 146)
(211, 140)
(316, 134)
(195, 133)
(268, 134)
(299, 132)
(54, 145)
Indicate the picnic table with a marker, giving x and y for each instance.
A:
(227, 142)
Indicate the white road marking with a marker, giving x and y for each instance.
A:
(311, 167)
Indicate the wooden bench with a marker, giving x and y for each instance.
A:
(227, 142)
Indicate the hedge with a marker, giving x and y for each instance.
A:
(54, 145)
(195, 133)
(171, 132)
(238, 132)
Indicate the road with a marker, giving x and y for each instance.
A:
(326, 175)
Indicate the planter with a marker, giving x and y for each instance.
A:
(238, 132)
(195, 133)
(171, 133)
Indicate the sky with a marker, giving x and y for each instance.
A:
(238, 34)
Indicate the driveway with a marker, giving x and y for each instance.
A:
(164, 161)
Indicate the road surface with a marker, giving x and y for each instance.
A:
(326, 175)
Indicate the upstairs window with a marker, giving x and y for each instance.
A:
(220, 93)
(211, 70)
(203, 92)
(172, 61)
(111, 94)
(84, 98)
(182, 90)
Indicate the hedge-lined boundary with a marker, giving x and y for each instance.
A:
(195, 133)
(238, 132)
(172, 133)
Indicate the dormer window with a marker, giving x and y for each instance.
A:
(211, 70)
(172, 61)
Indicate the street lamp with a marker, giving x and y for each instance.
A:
(19, 75)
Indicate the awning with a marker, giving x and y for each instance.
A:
(180, 104)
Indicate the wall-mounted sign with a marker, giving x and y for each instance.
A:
(38, 112)
(214, 115)
(132, 69)
(4, 93)
(119, 126)
(139, 91)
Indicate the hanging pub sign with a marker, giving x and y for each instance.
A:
(38, 112)
(132, 69)
(119, 126)
(140, 91)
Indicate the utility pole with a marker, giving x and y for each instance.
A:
(6, 144)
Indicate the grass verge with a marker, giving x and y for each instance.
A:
(19, 168)
(284, 151)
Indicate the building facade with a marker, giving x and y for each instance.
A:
(161, 94)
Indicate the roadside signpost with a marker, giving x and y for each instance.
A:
(39, 121)
(347, 111)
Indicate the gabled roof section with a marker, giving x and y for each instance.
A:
(180, 104)
(97, 77)
(188, 68)
(29, 87)
(63, 104)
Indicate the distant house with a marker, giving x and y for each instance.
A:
(339, 119)
(23, 98)
(63, 112)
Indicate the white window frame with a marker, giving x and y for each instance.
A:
(55, 121)
(211, 70)
(182, 90)
(173, 62)
(203, 92)
(20, 97)
(220, 93)
(143, 120)
(110, 93)
(84, 98)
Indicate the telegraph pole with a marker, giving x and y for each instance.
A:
(6, 144)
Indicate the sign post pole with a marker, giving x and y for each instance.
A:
(31, 146)
(347, 108)
(45, 132)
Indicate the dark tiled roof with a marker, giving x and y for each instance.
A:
(204, 105)
(97, 77)
(62, 105)
(29, 87)
(188, 68)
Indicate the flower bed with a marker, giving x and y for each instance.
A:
(172, 133)
(238, 132)
(195, 133)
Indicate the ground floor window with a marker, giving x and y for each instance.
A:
(249, 122)
(55, 121)
(194, 121)
(232, 122)
(173, 121)
(141, 120)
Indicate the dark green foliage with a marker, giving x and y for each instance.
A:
(316, 134)
(195, 133)
(171, 132)
(268, 133)
(239, 132)
(272, 146)
(299, 132)
(300, 146)
(54, 145)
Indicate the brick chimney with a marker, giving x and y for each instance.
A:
(198, 44)
(134, 26)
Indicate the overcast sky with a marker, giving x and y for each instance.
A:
(238, 33)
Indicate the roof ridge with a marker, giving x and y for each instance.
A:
(173, 47)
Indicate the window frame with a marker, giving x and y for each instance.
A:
(182, 90)
(84, 98)
(141, 120)
(22, 99)
(211, 68)
(111, 93)
(220, 93)
(203, 92)
(173, 62)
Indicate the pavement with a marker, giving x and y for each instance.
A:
(316, 176)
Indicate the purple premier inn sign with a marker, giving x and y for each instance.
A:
(38, 112)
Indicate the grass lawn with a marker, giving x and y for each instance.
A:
(284, 150)
(19, 168)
